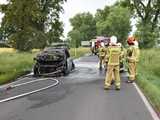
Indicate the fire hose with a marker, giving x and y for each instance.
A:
(59, 70)
(9, 87)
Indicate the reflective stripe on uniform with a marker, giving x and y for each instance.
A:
(114, 55)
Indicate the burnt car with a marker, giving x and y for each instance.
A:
(53, 61)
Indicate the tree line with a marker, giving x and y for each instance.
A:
(31, 24)
(116, 20)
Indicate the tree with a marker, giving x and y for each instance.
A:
(148, 13)
(75, 37)
(146, 38)
(102, 15)
(55, 34)
(30, 21)
(116, 23)
(84, 25)
(147, 10)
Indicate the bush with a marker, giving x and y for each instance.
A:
(146, 36)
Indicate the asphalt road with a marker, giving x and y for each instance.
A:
(79, 96)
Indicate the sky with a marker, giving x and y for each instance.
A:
(1, 15)
(72, 7)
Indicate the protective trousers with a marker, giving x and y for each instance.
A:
(132, 70)
(112, 70)
(101, 58)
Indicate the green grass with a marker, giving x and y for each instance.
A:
(78, 52)
(15, 64)
(149, 76)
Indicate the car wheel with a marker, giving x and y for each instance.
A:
(73, 66)
(35, 70)
(65, 70)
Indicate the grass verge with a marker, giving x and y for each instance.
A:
(149, 76)
(78, 52)
(13, 65)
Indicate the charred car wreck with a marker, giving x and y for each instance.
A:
(53, 61)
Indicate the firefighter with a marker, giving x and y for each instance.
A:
(106, 57)
(113, 55)
(122, 59)
(101, 54)
(92, 47)
(132, 58)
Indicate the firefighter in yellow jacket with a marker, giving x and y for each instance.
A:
(101, 54)
(113, 67)
(132, 58)
(106, 56)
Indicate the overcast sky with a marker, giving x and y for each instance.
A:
(72, 7)
(2, 2)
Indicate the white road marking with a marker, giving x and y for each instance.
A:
(148, 105)
(146, 102)
(34, 91)
(144, 99)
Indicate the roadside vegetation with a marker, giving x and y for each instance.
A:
(148, 76)
(7, 50)
(14, 64)
(79, 52)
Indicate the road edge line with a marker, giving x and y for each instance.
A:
(146, 102)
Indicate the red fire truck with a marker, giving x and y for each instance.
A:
(96, 43)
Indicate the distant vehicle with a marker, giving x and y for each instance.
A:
(4, 45)
(85, 43)
(96, 43)
(53, 61)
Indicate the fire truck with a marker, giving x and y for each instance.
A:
(96, 43)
